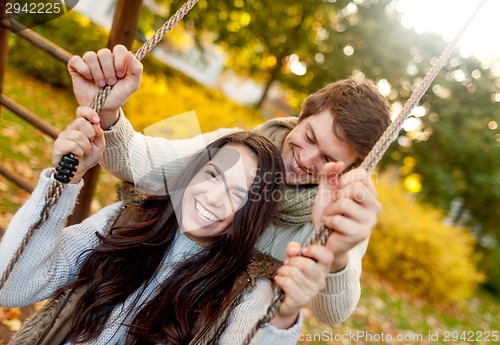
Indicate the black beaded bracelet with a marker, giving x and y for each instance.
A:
(67, 167)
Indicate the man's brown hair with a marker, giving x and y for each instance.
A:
(360, 113)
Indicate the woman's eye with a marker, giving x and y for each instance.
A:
(211, 174)
(309, 139)
(238, 196)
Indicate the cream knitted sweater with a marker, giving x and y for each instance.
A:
(54, 256)
(149, 161)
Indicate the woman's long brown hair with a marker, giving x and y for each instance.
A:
(197, 290)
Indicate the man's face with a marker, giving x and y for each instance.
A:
(310, 145)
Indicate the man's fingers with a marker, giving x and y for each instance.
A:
(358, 192)
(357, 175)
(350, 209)
(330, 173)
(351, 231)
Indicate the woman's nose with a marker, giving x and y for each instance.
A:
(216, 196)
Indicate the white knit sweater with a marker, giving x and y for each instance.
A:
(148, 162)
(54, 255)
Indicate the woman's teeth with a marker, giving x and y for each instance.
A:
(205, 214)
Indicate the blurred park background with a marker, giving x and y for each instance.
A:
(433, 263)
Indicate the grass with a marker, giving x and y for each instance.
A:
(27, 151)
(382, 310)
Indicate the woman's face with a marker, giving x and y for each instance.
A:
(217, 191)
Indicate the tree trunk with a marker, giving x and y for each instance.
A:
(273, 76)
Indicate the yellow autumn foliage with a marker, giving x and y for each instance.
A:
(413, 248)
(161, 97)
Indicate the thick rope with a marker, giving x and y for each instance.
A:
(55, 189)
(51, 196)
(391, 132)
(320, 234)
(101, 97)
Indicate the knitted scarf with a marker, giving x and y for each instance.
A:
(296, 204)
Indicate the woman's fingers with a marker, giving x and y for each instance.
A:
(87, 113)
(71, 141)
(120, 60)
(78, 66)
(83, 126)
(92, 61)
(107, 65)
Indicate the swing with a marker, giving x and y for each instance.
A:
(319, 235)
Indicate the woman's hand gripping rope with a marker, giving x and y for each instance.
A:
(84, 139)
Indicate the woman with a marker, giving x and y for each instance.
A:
(173, 270)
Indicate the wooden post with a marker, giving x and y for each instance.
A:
(37, 40)
(4, 44)
(125, 22)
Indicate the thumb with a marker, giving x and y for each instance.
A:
(328, 182)
(330, 173)
(99, 140)
(134, 66)
(293, 249)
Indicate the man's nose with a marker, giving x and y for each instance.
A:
(310, 159)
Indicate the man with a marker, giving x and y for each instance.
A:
(337, 127)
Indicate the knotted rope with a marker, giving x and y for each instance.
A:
(51, 196)
(391, 132)
(56, 187)
(101, 97)
(320, 234)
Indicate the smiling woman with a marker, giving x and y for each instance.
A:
(217, 191)
(199, 287)
(129, 275)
